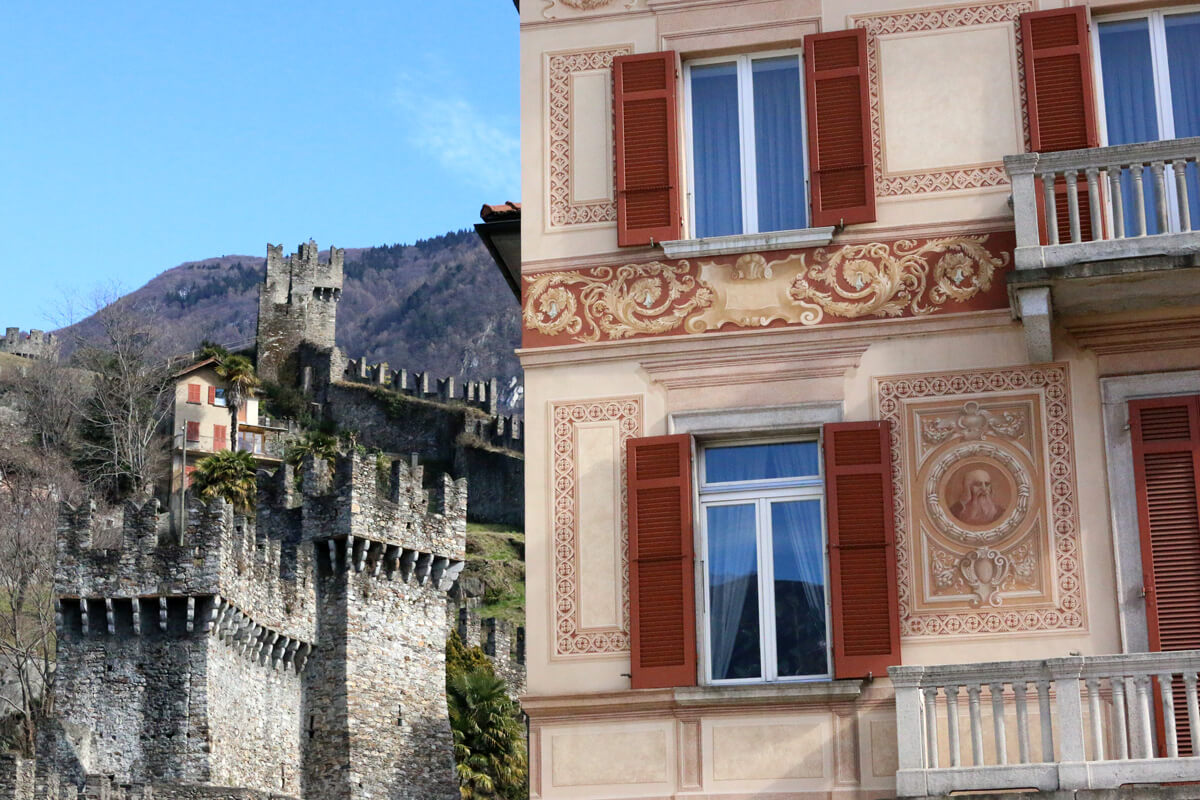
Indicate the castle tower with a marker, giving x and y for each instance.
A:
(299, 653)
(297, 306)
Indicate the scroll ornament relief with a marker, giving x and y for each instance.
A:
(987, 537)
(906, 277)
(582, 5)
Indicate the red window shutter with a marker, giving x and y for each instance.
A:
(242, 412)
(212, 395)
(862, 549)
(1058, 79)
(193, 431)
(1165, 433)
(646, 133)
(187, 471)
(193, 393)
(661, 577)
(220, 435)
(839, 137)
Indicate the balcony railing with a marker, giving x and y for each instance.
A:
(1125, 201)
(1096, 722)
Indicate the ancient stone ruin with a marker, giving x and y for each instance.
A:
(296, 653)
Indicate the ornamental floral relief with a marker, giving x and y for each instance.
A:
(986, 529)
(830, 284)
(551, 6)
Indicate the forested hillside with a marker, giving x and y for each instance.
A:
(438, 305)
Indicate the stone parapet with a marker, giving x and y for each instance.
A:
(35, 344)
(500, 640)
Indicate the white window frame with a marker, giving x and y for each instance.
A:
(1161, 73)
(761, 493)
(749, 162)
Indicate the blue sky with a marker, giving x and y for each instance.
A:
(138, 135)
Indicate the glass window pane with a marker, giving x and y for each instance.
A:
(1130, 109)
(1183, 62)
(799, 558)
(733, 592)
(756, 462)
(716, 150)
(779, 144)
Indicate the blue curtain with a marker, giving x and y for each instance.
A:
(716, 150)
(799, 559)
(733, 592)
(755, 462)
(1183, 62)
(778, 144)
(1129, 103)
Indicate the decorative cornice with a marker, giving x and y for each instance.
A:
(1177, 331)
(875, 280)
(794, 361)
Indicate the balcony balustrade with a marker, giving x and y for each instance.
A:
(1096, 722)
(1133, 200)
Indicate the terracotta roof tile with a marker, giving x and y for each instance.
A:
(503, 211)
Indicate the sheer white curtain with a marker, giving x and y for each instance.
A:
(799, 562)
(733, 590)
(716, 150)
(779, 144)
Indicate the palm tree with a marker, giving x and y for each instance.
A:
(319, 445)
(230, 475)
(240, 383)
(489, 740)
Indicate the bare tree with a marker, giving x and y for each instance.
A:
(32, 483)
(49, 397)
(122, 448)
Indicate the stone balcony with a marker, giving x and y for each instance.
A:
(1062, 724)
(1106, 229)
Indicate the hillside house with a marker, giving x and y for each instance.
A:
(862, 359)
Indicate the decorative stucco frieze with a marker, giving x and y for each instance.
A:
(882, 280)
(908, 22)
(552, 9)
(987, 534)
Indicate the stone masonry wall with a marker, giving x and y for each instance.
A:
(297, 304)
(35, 344)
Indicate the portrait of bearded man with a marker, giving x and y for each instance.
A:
(977, 504)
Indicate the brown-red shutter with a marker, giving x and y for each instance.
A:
(662, 582)
(862, 549)
(839, 138)
(193, 390)
(1061, 98)
(1165, 434)
(193, 431)
(212, 395)
(646, 134)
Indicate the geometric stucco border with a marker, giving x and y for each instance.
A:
(571, 638)
(1052, 381)
(895, 22)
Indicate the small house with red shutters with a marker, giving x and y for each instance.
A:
(862, 362)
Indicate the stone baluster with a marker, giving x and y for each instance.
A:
(1094, 721)
(1019, 688)
(1072, 178)
(1095, 202)
(1051, 212)
(1189, 686)
(1043, 690)
(1139, 199)
(1144, 719)
(952, 724)
(1168, 706)
(1160, 194)
(976, 724)
(996, 688)
(1118, 201)
(1185, 214)
(1119, 717)
(931, 727)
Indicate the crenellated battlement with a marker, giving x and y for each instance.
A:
(35, 344)
(297, 305)
(501, 641)
(495, 429)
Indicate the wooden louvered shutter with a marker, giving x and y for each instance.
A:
(661, 577)
(646, 134)
(839, 135)
(220, 435)
(862, 548)
(1061, 98)
(212, 395)
(193, 392)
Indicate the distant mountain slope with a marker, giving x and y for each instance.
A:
(438, 305)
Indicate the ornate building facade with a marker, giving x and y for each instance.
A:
(863, 396)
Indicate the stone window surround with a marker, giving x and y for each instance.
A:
(1115, 394)
(774, 420)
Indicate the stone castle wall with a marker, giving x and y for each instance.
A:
(35, 344)
(501, 641)
(297, 304)
(266, 652)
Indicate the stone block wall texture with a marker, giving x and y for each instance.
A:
(297, 653)
(501, 641)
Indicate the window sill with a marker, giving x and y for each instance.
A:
(744, 242)
(795, 692)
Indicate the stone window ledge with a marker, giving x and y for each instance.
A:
(798, 692)
(747, 242)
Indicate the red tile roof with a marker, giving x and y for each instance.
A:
(497, 213)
